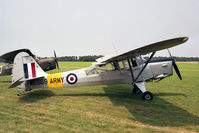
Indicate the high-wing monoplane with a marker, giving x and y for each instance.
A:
(46, 64)
(125, 68)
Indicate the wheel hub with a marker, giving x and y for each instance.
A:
(147, 97)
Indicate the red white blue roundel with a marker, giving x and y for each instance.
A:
(71, 78)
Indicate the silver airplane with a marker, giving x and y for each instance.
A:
(126, 68)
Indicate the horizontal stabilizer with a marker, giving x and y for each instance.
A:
(16, 83)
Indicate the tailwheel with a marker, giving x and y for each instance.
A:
(19, 91)
(147, 96)
(136, 90)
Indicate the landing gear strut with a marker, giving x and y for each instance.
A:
(140, 88)
(136, 90)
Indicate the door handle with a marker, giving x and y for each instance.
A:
(164, 65)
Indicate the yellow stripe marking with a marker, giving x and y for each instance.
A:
(55, 80)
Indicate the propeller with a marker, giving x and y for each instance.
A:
(175, 66)
(56, 60)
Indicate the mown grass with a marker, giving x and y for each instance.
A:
(113, 108)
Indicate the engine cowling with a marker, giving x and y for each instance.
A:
(47, 64)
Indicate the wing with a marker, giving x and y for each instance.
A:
(9, 57)
(144, 50)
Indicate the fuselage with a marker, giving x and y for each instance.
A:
(96, 75)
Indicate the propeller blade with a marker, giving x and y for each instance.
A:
(176, 69)
(55, 54)
(175, 65)
(169, 52)
(56, 60)
(57, 65)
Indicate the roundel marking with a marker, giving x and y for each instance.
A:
(71, 78)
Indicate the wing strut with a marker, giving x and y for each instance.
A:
(130, 67)
(144, 66)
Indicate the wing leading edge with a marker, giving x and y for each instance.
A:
(145, 50)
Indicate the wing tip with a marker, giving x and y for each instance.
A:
(185, 39)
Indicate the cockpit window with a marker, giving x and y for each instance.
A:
(100, 68)
(134, 62)
(140, 60)
(123, 64)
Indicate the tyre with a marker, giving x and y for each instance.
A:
(147, 96)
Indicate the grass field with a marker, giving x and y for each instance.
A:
(113, 108)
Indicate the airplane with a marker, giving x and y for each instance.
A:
(8, 58)
(125, 68)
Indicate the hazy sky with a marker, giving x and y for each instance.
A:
(100, 27)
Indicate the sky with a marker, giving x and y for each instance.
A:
(97, 27)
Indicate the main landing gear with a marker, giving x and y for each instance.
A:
(139, 88)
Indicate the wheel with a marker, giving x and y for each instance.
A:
(147, 96)
(136, 90)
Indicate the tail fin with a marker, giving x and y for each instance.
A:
(25, 68)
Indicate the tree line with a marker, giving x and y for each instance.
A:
(92, 58)
(88, 58)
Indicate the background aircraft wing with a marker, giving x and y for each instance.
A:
(9, 57)
(144, 50)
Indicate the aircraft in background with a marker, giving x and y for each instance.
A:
(123, 68)
(8, 58)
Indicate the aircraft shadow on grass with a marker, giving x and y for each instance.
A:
(158, 112)
(36, 95)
